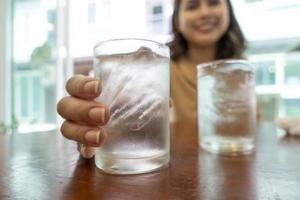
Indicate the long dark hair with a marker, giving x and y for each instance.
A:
(231, 45)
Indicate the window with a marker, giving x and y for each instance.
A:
(157, 13)
(278, 80)
(158, 17)
(157, 10)
(265, 73)
(116, 19)
(272, 32)
(292, 107)
(34, 64)
(292, 69)
(269, 106)
(3, 63)
(155, 19)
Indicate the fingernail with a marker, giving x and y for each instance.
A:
(82, 150)
(86, 152)
(91, 87)
(97, 114)
(93, 137)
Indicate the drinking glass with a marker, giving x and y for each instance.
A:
(135, 86)
(227, 107)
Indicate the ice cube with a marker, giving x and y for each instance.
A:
(133, 86)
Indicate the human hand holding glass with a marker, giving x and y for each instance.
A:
(135, 84)
(84, 116)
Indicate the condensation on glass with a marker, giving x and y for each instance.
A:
(227, 107)
(134, 74)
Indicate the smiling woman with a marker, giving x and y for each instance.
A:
(203, 24)
(203, 31)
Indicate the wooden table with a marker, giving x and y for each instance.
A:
(47, 166)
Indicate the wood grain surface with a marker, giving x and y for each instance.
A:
(47, 166)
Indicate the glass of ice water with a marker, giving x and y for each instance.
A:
(227, 107)
(135, 86)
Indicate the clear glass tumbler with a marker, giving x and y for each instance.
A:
(135, 86)
(227, 107)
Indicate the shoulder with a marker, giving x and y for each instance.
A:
(174, 66)
(174, 63)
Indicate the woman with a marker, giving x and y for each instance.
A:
(203, 31)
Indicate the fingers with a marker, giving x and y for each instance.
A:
(88, 135)
(86, 151)
(83, 87)
(287, 122)
(84, 111)
(295, 130)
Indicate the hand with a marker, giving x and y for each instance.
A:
(84, 116)
(290, 124)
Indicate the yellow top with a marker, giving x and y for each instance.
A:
(183, 92)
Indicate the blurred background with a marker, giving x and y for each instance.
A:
(43, 42)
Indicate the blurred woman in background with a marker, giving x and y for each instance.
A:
(203, 31)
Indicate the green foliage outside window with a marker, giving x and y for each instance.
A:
(41, 56)
(2, 128)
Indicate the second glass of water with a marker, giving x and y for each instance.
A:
(227, 107)
(135, 86)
